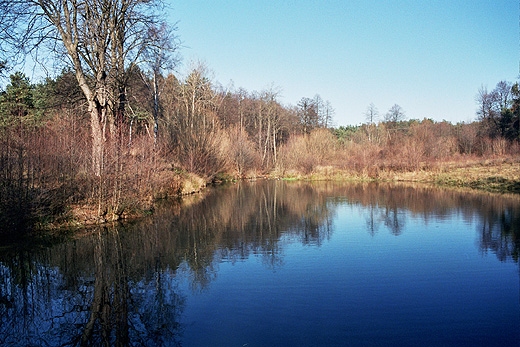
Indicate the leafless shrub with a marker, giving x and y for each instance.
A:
(305, 152)
(436, 139)
(35, 178)
(242, 152)
(467, 138)
(362, 158)
(499, 146)
(412, 154)
(290, 154)
(203, 153)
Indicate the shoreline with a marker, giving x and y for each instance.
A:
(499, 176)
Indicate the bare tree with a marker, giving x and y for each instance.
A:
(371, 114)
(308, 114)
(487, 103)
(272, 113)
(395, 114)
(503, 94)
(328, 114)
(100, 39)
(319, 106)
(488, 111)
(195, 131)
(324, 111)
(160, 56)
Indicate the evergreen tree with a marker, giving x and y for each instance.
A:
(16, 102)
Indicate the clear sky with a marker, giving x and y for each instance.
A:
(430, 56)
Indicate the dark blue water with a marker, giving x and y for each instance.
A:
(281, 264)
(428, 286)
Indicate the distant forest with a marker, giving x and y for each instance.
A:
(115, 130)
(207, 133)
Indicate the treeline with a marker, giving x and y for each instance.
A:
(499, 110)
(194, 132)
(194, 118)
(170, 140)
(187, 132)
(115, 130)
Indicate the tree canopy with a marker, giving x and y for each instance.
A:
(101, 40)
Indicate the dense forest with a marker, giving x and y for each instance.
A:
(116, 129)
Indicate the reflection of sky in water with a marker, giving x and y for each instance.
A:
(277, 264)
(428, 285)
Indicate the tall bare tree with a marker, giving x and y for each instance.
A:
(395, 114)
(101, 40)
(324, 111)
(371, 114)
(308, 114)
(488, 111)
(503, 92)
(160, 56)
(194, 126)
(272, 118)
(328, 114)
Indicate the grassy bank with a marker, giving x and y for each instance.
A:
(492, 175)
(498, 177)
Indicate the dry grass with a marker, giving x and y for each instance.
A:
(490, 175)
(501, 175)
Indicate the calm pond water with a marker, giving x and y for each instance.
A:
(274, 263)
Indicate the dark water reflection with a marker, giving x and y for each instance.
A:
(277, 263)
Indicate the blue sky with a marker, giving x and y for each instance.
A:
(430, 57)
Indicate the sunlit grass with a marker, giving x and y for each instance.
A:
(499, 175)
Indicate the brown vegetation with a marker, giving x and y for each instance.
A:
(204, 135)
(415, 151)
(114, 132)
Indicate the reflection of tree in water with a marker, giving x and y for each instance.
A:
(394, 220)
(371, 220)
(316, 223)
(120, 285)
(498, 216)
(390, 216)
(81, 294)
(383, 206)
(233, 223)
(499, 230)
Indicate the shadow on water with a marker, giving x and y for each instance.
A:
(93, 291)
(119, 284)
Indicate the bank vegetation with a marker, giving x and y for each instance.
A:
(206, 134)
(116, 130)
